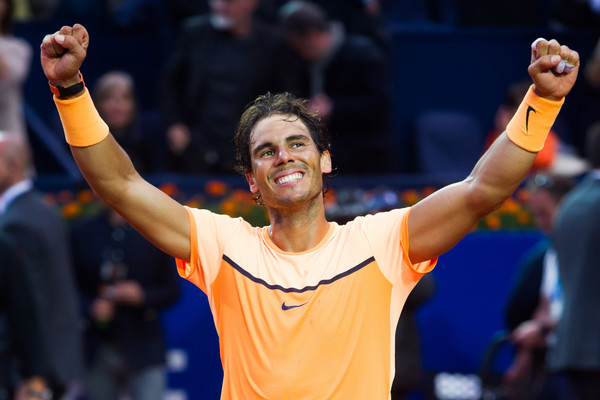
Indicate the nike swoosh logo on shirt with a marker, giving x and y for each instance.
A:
(529, 110)
(284, 307)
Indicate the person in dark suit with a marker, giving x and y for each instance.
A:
(21, 345)
(576, 235)
(41, 236)
(221, 61)
(125, 283)
(347, 80)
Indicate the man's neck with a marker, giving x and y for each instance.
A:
(298, 231)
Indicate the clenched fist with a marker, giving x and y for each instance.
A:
(553, 68)
(62, 54)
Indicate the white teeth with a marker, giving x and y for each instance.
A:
(289, 178)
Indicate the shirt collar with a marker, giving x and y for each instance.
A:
(13, 192)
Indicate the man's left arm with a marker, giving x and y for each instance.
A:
(441, 220)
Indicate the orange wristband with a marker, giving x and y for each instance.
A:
(81, 122)
(530, 125)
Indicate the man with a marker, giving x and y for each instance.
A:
(535, 303)
(305, 308)
(348, 82)
(40, 235)
(219, 63)
(125, 283)
(21, 346)
(576, 353)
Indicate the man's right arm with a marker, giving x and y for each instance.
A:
(104, 164)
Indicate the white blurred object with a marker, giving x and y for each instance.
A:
(177, 360)
(456, 386)
(176, 395)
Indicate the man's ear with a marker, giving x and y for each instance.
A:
(251, 182)
(326, 162)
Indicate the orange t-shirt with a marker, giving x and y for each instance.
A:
(318, 324)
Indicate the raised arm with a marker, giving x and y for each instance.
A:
(441, 220)
(104, 164)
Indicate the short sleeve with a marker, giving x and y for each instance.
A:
(209, 235)
(387, 233)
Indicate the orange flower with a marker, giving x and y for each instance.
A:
(428, 190)
(510, 205)
(85, 196)
(523, 217)
(493, 221)
(229, 207)
(522, 195)
(71, 210)
(242, 196)
(410, 197)
(215, 188)
(169, 188)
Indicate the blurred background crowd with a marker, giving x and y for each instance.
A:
(412, 92)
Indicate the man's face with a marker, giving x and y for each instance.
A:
(543, 206)
(118, 108)
(287, 167)
(227, 14)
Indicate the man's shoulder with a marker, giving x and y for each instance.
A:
(30, 206)
(360, 47)
(195, 24)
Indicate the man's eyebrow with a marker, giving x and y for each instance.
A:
(262, 146)
(291, 138)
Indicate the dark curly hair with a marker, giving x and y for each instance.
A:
(276, 104)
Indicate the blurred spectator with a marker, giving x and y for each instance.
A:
(535, 303)
(141, 134)
(25, 10)
(125, 283)
(221, 62)
(576, 236)
(590, 104)
(556, 157)
(41, 237)
(347, 82)
(15, 61)
(409, 365)
(22, 354)
(360, 17)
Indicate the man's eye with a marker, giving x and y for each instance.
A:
(296, 145)
(267, 153)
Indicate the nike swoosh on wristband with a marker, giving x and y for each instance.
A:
(284, 307)
(529, 110)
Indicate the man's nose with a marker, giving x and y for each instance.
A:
(283, 156)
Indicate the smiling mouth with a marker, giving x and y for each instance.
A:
(289, 178)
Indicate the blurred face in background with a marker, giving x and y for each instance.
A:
(232, 15)
(116, 100)
(543, 206)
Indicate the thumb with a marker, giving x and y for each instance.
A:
(71, 45)
(545, 63)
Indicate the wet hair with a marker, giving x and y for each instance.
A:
(276, 104)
